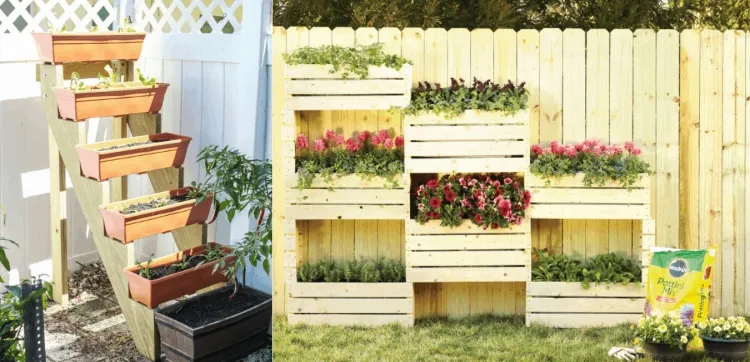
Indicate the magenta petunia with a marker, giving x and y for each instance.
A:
(320, 145)
(302, 142)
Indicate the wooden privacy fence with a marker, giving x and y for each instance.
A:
(681, 96)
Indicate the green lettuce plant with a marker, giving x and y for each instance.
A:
(601, 269)
(458, 97)
(349, 60)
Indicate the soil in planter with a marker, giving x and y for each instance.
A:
(216, 307)
(164, 270)
(153, 204)
(117, 147)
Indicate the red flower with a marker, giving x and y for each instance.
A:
(537, 149)
(505, 210)
(352, 145)
(364, 136)
(450, 195)
(478, 219)
(508, 181)
(330, 134)
(383, 134)
(519, 220)
(399, 140)
(320, 145)
(526, 198)
(302, 142)
(495, 225)
(432, 184)
(434, 203)
(636, 151)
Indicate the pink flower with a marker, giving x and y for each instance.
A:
(302, 142)
(617, 150)
(481, 204)
(498, 200)
(519, 220)
(388, 143)
(330, 134)
(570, 152)
(434, 203)
(364, 136)
(339, 139)
(465, 202)
(537, 149)
(579, 147)
(450, 195)
(473, 182)
(352, 145)
(636, 151)
(320, 145)
(399, 141)
(383, 134)
(526, 198)
(556, 148)
(505, 210)
(432, 184)
(629, 146)
(478, 219)
(376, 140)
(420, 190)
(597, 151)
(462, 182)
(508, 181)
(420, 207)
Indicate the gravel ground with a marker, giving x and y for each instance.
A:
(91, 327)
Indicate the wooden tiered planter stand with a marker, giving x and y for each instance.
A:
(467, 253)
(472, 142)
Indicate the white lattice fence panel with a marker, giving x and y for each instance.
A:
(27, 16)
(189, 16)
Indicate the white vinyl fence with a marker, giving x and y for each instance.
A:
(217, 72)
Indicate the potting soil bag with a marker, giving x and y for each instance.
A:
(680, 281)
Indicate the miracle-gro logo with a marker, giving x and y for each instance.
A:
(678, 268)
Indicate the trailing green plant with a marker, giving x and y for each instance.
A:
(458, 97)
(366, 154)
(731, 328)
(240, 185)
(598, 162)
(379, 270)
(346, 59)
(601, 269)
(664, 329)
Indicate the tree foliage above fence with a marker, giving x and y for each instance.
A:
(515, 14)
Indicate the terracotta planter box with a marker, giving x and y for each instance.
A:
(59, 48)
(168, 150)
(231, 338)
(154, 292)
(78, 105)
(127, 228)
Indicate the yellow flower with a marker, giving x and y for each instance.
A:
(702, 325)
(636, 341)
(717, 329)
(727, 326)
(732, 319)
(740, 326)
(662, 328)
(684, 339)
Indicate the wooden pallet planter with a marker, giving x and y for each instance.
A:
(166, 150)
(472, 142)
(467, 253)
(57, 48)
(313, 87)
(78, 105)
(568, 198)
(363, 304)
(568, 305)
(349, 197)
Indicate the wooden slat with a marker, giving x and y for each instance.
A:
(350, 182)
(488, 274)
(364, 320)
(577, 181)
(585, 305)
(471, 117)
(570, 320)
(466, 133)
(466, 165)
(467, 258)
(351, 306)
(690, 189)
(351, 290)
(589, 196)
(468, 242)
(346, 212)
(559, 289)
(344, 87)
(589, 212)
(347, 196)
(313, 71)
(365, 102)
(489, 149)
(467, 227)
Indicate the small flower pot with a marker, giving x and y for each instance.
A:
(726, 349)
(172, 286)
(131, 98)
(128, 227)
(664, 352)
(219, 328)
(101, 163)
(59, 48)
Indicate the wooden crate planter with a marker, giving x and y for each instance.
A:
(568, 198)
(78, 105)
(154, 292)
(350, 197)
(472, 142)
(568, 305)
(364, 304)
(59, 48)
(130, 227)
(313, 87)
(167, 150)
(467, 253)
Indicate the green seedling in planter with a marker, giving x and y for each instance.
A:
(604, 268)
(145, 271)
(76, 83)
(52, 28)
(149, 82)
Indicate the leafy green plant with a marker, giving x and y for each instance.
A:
(731, 328)
(53, 29)
(598, 162)
(76, 83)
(664, 329)
(240, 184)
(454, 100)
(350, 60)
(366, 154)
(604, 268)
(145, 270)
(352, 271)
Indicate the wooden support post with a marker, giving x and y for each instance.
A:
(59, 223)
(119, 185)
(114, 255)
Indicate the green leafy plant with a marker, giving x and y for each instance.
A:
(147, 81)
(125, 27)
(110, 81)
(458, 98)
(352, 271)
(490, 201)
(53, 29)
(76, 83)
(350, 60)
(366, 154)
(145, 270)
(664, 329)
(601, 269)
(598, 162)
(731, 328)
(240, 184)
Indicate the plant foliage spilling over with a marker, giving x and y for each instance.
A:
(365, 154)
(598, 162)
(346, 59)
(240, 184)
(488, 201)
(731, 328)
(480, 95)
(664, 329)
(601, 269)
(353, 271)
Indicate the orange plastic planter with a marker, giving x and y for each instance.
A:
(130, 227)
(168, 151)
(154, 292)
(77, 105)
(59, 48)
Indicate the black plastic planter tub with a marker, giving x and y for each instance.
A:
(228, 339)
(726, 350)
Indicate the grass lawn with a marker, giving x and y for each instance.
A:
(481, 338)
